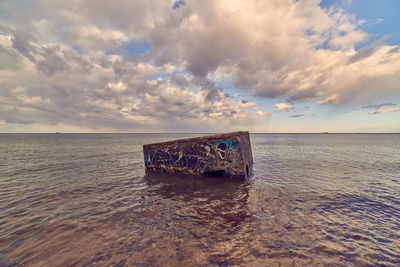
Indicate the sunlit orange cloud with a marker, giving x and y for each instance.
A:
(384, 110)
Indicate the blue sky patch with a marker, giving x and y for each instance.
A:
(159, 75)
(381, 18)
(77, 49)
(179, 3)
(137, 47)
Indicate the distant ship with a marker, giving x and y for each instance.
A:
(57, 133)
(324, 132)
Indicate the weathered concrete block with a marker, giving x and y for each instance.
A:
(217, 155)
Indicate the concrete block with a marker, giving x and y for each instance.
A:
(227, 155)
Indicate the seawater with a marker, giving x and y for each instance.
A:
(313, 199)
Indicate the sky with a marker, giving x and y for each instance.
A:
(200, 66)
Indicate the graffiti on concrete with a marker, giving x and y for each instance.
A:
(196, 157)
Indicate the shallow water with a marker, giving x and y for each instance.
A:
(84, 200)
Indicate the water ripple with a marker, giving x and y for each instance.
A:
(84, 200)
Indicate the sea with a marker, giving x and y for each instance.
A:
(312, 200)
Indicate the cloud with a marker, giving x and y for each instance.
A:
(378, 111)
(282, 106)
(52, 61)
(297, 115)
(107, 92)
(332, 99)
(394, 50)
(378, 106)
(117, 87)
(78, 63)
(362, 53)
(264, 114)
(378, 20)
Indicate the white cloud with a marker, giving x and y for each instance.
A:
(93, 32)
(117, 87)
(282, 106)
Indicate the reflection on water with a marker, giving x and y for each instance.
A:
(84, 200)
(213, 202)
(194, 217)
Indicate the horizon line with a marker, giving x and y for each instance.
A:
(198, 132)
